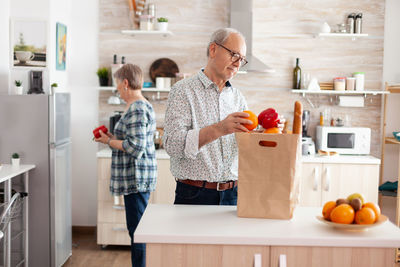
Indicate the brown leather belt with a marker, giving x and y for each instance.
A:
(211, 185)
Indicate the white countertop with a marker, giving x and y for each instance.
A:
(7, 171)
(200, 224)
(162, 154)
(341, 159)
(106, 153)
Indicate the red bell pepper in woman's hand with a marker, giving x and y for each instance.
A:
(96, 131)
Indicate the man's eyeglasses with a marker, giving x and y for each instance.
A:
(235, 56)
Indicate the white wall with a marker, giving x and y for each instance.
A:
(4, 46)
(60, 11)
(391, 73)
(82, 79)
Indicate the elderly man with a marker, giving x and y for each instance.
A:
(203, 113)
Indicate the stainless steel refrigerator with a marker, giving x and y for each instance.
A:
(38, 128)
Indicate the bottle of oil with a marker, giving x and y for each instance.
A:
(297, 75)
(321, 118)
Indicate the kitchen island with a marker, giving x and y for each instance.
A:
(190, 235)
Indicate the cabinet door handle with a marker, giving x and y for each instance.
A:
(282, 260)
(117, 207)
(315, 186)
(327, 179)
(257, 260)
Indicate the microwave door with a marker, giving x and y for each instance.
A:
(341, 140)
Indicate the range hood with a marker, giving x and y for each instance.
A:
(242, 20)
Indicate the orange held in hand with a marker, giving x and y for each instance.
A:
(328, 207)
(365, 216)
(375, 208)
(253, 118)
(343, 213)
(275, 130)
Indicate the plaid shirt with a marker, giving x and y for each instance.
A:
(136, 169)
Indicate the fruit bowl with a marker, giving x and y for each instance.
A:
(353, 227)
(397, 135)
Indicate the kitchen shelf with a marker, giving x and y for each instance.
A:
(349, 35)
(391, 140)
(333, 92)
(147, 89)
(139, 32)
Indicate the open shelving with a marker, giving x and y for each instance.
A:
(147, 89)
(140, 32)
(334, 92)
(348, 35)
(393, 89)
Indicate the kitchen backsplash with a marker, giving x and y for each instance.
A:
(282, 31)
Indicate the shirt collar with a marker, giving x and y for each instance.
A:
(207, 82)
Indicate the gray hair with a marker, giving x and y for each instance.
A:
(132, 73)
(220, 36)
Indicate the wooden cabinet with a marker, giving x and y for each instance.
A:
(181, 255)
(193, 255)
(111, 222)
(165, 190)
(331, 257)
(322, 182)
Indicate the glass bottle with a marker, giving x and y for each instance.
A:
(297, 75)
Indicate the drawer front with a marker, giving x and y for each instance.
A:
(112, 234)
(107, 212)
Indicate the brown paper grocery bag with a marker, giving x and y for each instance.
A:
(269, 175)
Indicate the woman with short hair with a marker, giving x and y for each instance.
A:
(134, 166)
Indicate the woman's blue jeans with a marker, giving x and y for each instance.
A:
(135, 204)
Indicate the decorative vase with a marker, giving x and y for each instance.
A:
(325, 28)
(18, 90)
(103, 81)
(162, 26)
(15, 162)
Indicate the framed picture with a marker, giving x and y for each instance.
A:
(61, 46)
(29, 43)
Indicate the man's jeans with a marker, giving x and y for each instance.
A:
(135, 204)
(189, 194)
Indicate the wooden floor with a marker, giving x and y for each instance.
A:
(86, 253)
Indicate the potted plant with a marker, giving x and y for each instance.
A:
(18, 87)
(53, 86)
(103, 76)
(162, 24)
(15, 160)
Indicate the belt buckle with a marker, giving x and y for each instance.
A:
(218, 187)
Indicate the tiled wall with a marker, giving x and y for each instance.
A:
(282, 31)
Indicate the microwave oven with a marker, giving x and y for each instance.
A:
(344, 140)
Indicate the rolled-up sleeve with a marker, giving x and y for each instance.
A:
(179, 139)
(135, 140)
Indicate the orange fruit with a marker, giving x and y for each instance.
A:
(327, 209)
(253, 118)
(273, 130)
(343, 213)
(365, 216)
(375, 208)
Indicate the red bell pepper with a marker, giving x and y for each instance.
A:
(269, 118)
(96, 131)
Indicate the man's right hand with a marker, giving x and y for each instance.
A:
(233, 123)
